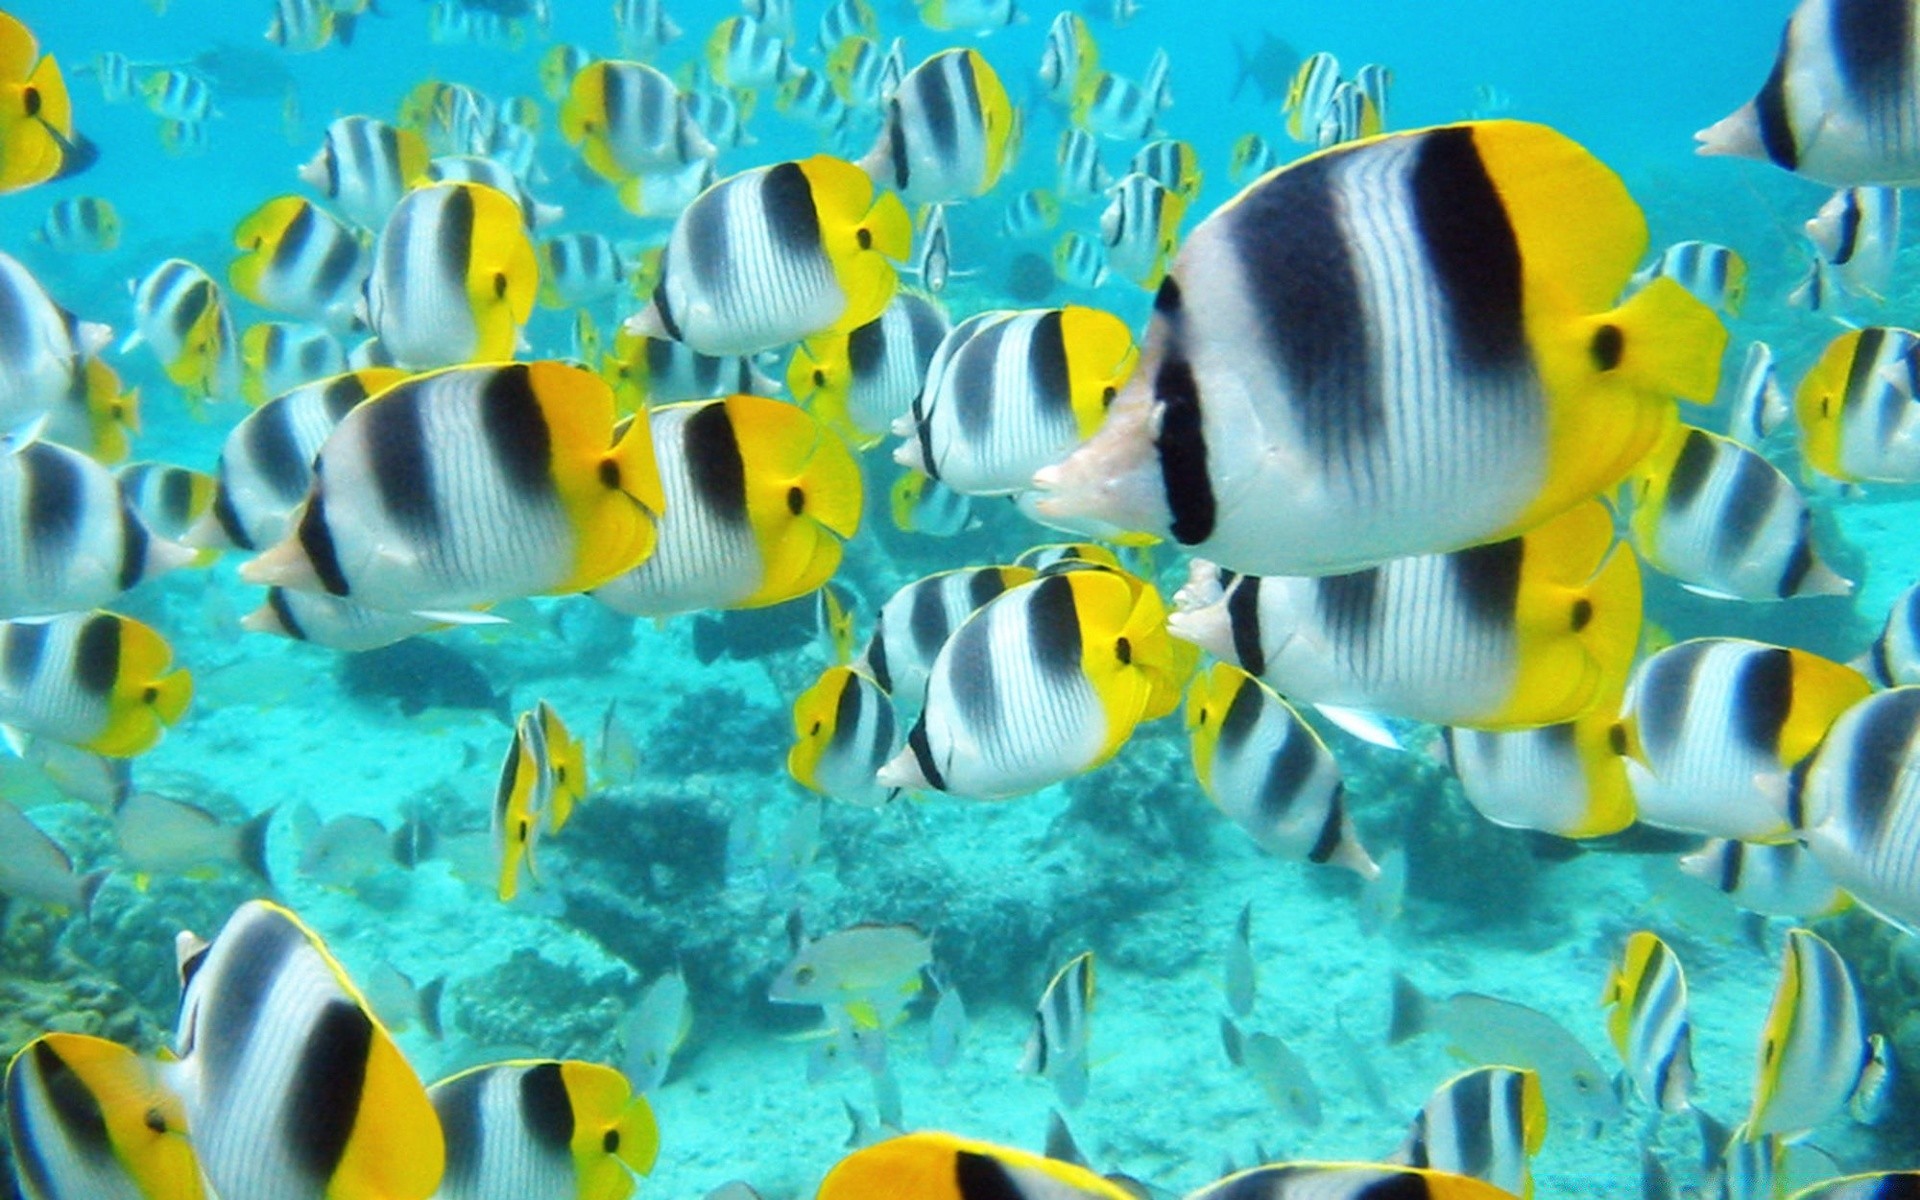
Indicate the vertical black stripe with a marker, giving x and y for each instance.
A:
(1690, 471)
(1047, 364)
(1873, 49)
(980, 1177)
(1333, 829)
(1772, 114)
(716, 472)
(1053, 627)
(1182, 442)
(25, 646)
(316, 539)
(1488, 581)
(1243, 618)
(55, 486)
(545, 1108)
(516, 430)
(328, 1086)
(787, 196)
(1763, 697)
(294, 239)
(96, 654)
(458, 1103)
(134, 543)
(252, 958)
(1876, 759)
(1472, 248)
(402, 463)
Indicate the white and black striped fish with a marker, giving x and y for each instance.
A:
(1894, 658)
(1725, 522)
(1856, 410)
(329, 621)
(299, 260)
(69, 538)
(1114, 107)
(364, 166)
(1774, 879)
(81, 224)
(1080, 260)
(168, 499)
(1813, 1047)
(777, 254)
(277, 357)
(758, 498)
(1716, 726)
(745, 52)
(860, 383)
(41, 349)
(1009, 392)
(1567, 779)
(917, 620)
(1141, 228)
(579, 269)
(542, 1129)
(1842, 103)
(183, 316)
(1081, 177)
(1856, 234)
(178, 96)
(950, 131)
(1647, 992)
(1486, 1124)
(1269, 772)
(1042, 683)
(86, 1120)
(1068, 58)
(465, 487)
(291, 1085)
(1058, 1047)
(1760, 404)
(844, 731)
(1336, 376)
(647, 371)
(94, 680)
(627, 119)
(488, 171)
(1525, 632)
(1858, 808)
(1715, 274)
(454, 277)
(266, 463)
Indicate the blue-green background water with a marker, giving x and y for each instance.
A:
(672, 866)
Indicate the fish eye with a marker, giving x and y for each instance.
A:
(31, 97)
(1583, 1083)
(611, 1142)
(815, 731)
(803, 976)
(1826, 406)
(1608, 345)
(819, 377)
(1124, 650)
(796, 500)
(155, 1120)
(149, 694)
(525, 829)
(1617, 738)
(865, 238)
(1106, 398)
(1582, 614)
(609, 473)
(258, 242)
(499, 285)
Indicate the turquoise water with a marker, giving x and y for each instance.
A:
(698, 856)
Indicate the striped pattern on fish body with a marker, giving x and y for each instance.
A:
(1141, 228)
(846, 19)
(69, 538)
(844, 731)
(522, 804)
(266, 463)
(1058, 1046)
(1082, 178)
(1859, 805)
(758, 497)
(1651, 1032)
(940, 1166)
(1716, 275)
(1725, 522)
(742, 54)
(578, 269)
(39, 359)
(1842, 103)
(300, 260)
(1269, 773)
(276, 357)
(1030, 214)
(1009, 392)
(364, 166)
(280, 1058)
(95, 680)
(808, 96)
(1069, 58)
(860, 383)
(1348, 1181)
(472, 485)
(329, 621)
(543, 1128)
(857, 68)
(1894, 658)
(643, 26)
(1568, 779)
(454, 277)
(1347, 117)
(1760, 404)
(1526, 632)
(1336, 374)
(1309, 95)
(775, 255)
(490, 171)
(1080, 260)
(1856, 411)
(178, 96)
(1781, 879)
(651, 371)
(1857, 235)
(1716, 726)
(629, 119)
(1486, 1124)
(168, 500)
(1115, 107)
(81, 224)
(1252, 158)
(1042, 683)
(181, 313)
(1173, 164)
(1814, 1044)
(916, 621)
(87, 1121)
(950, 131)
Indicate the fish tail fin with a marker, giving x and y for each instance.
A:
(431, 994)
(1664, 340)
(252, 845)
(1409, 1017)
(89, 889)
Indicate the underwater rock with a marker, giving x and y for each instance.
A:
(528, 999)
(724, 731)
